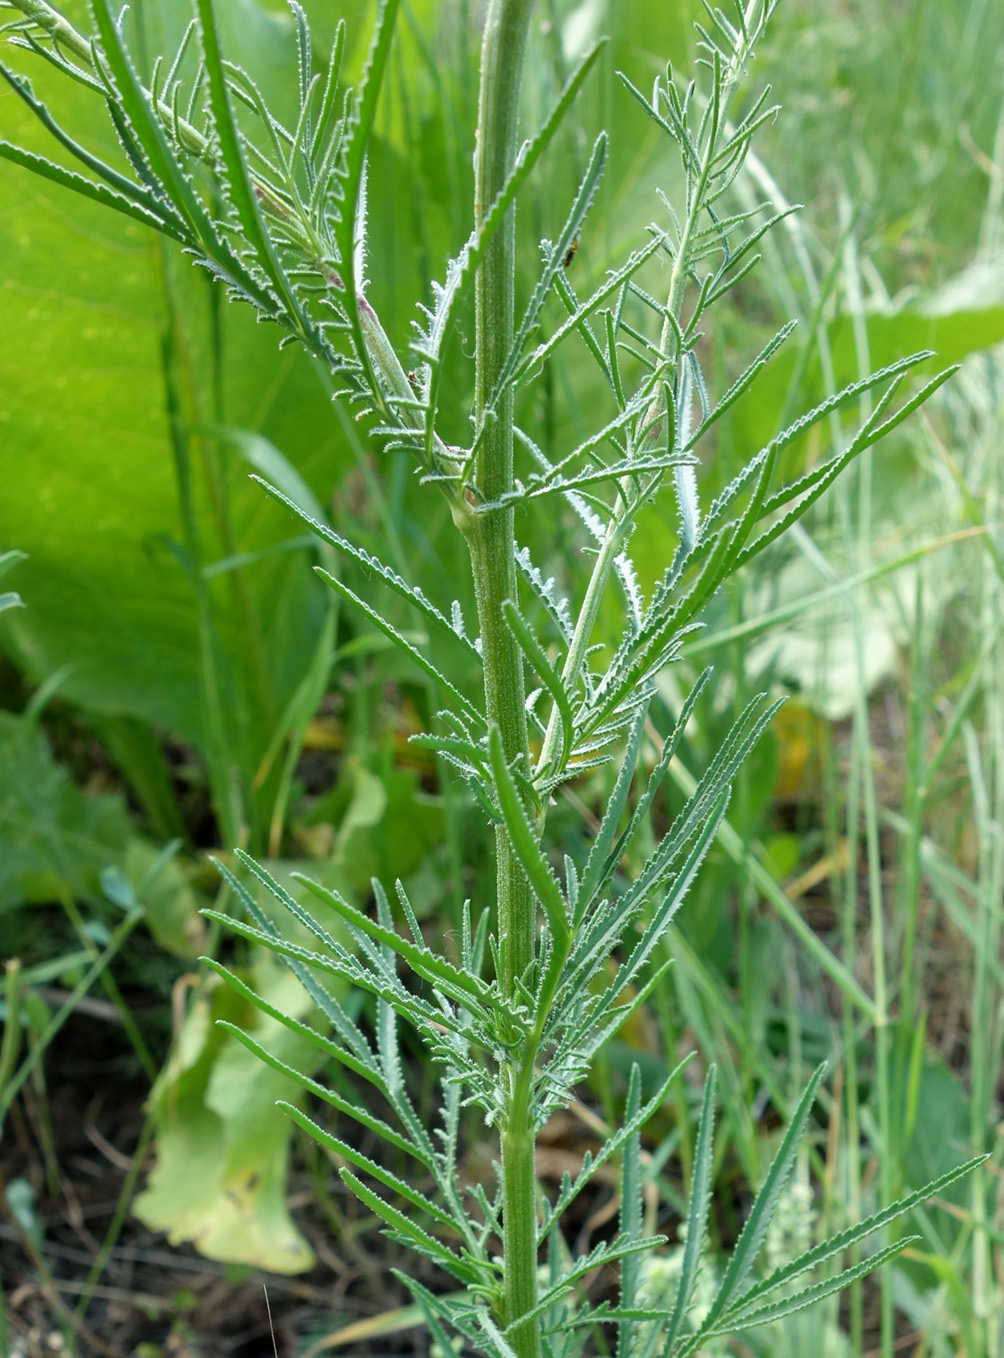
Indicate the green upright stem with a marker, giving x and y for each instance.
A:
(491, 541)
(490, 536)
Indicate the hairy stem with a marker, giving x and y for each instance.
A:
(491, 535)
(490, 539)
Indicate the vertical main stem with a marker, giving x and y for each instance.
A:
(491, 541)
(490, 535)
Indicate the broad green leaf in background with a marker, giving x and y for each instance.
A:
(55, 838)
(89, 482)
(172, 906)
(375, 826)
(222, 1145)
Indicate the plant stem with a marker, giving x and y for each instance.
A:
(10, 1046)
(491, 542)
(490, 535)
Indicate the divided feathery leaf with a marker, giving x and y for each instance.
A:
(237, 182)
(291, 229)
(364, 1065)
(351, 173)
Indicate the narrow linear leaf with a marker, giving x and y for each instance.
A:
(238, 181)
(552, 681)
(412, 1232)
(800, 426)
(423, 962)
(373, 1124)
(622, 1013)
(353, 1061)
(421, 1201)
(88, 188)
(852, 1235)
(611, 1147)
(137, 107)
(603, 841)
(697, 1216)
(525, 843)
(603, 1253)
(810, 1296)
(631, 1211)
(611, 284)
(414, 596)
(392, 634)
(139, 194)
(431, 1313)
(352, 173)
(811, 487)
(751, 1238)
(369, 974)
(743, 382)
(569, 232)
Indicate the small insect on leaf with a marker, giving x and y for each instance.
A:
(571, 253)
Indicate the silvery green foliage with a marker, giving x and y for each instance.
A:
(285, 231)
